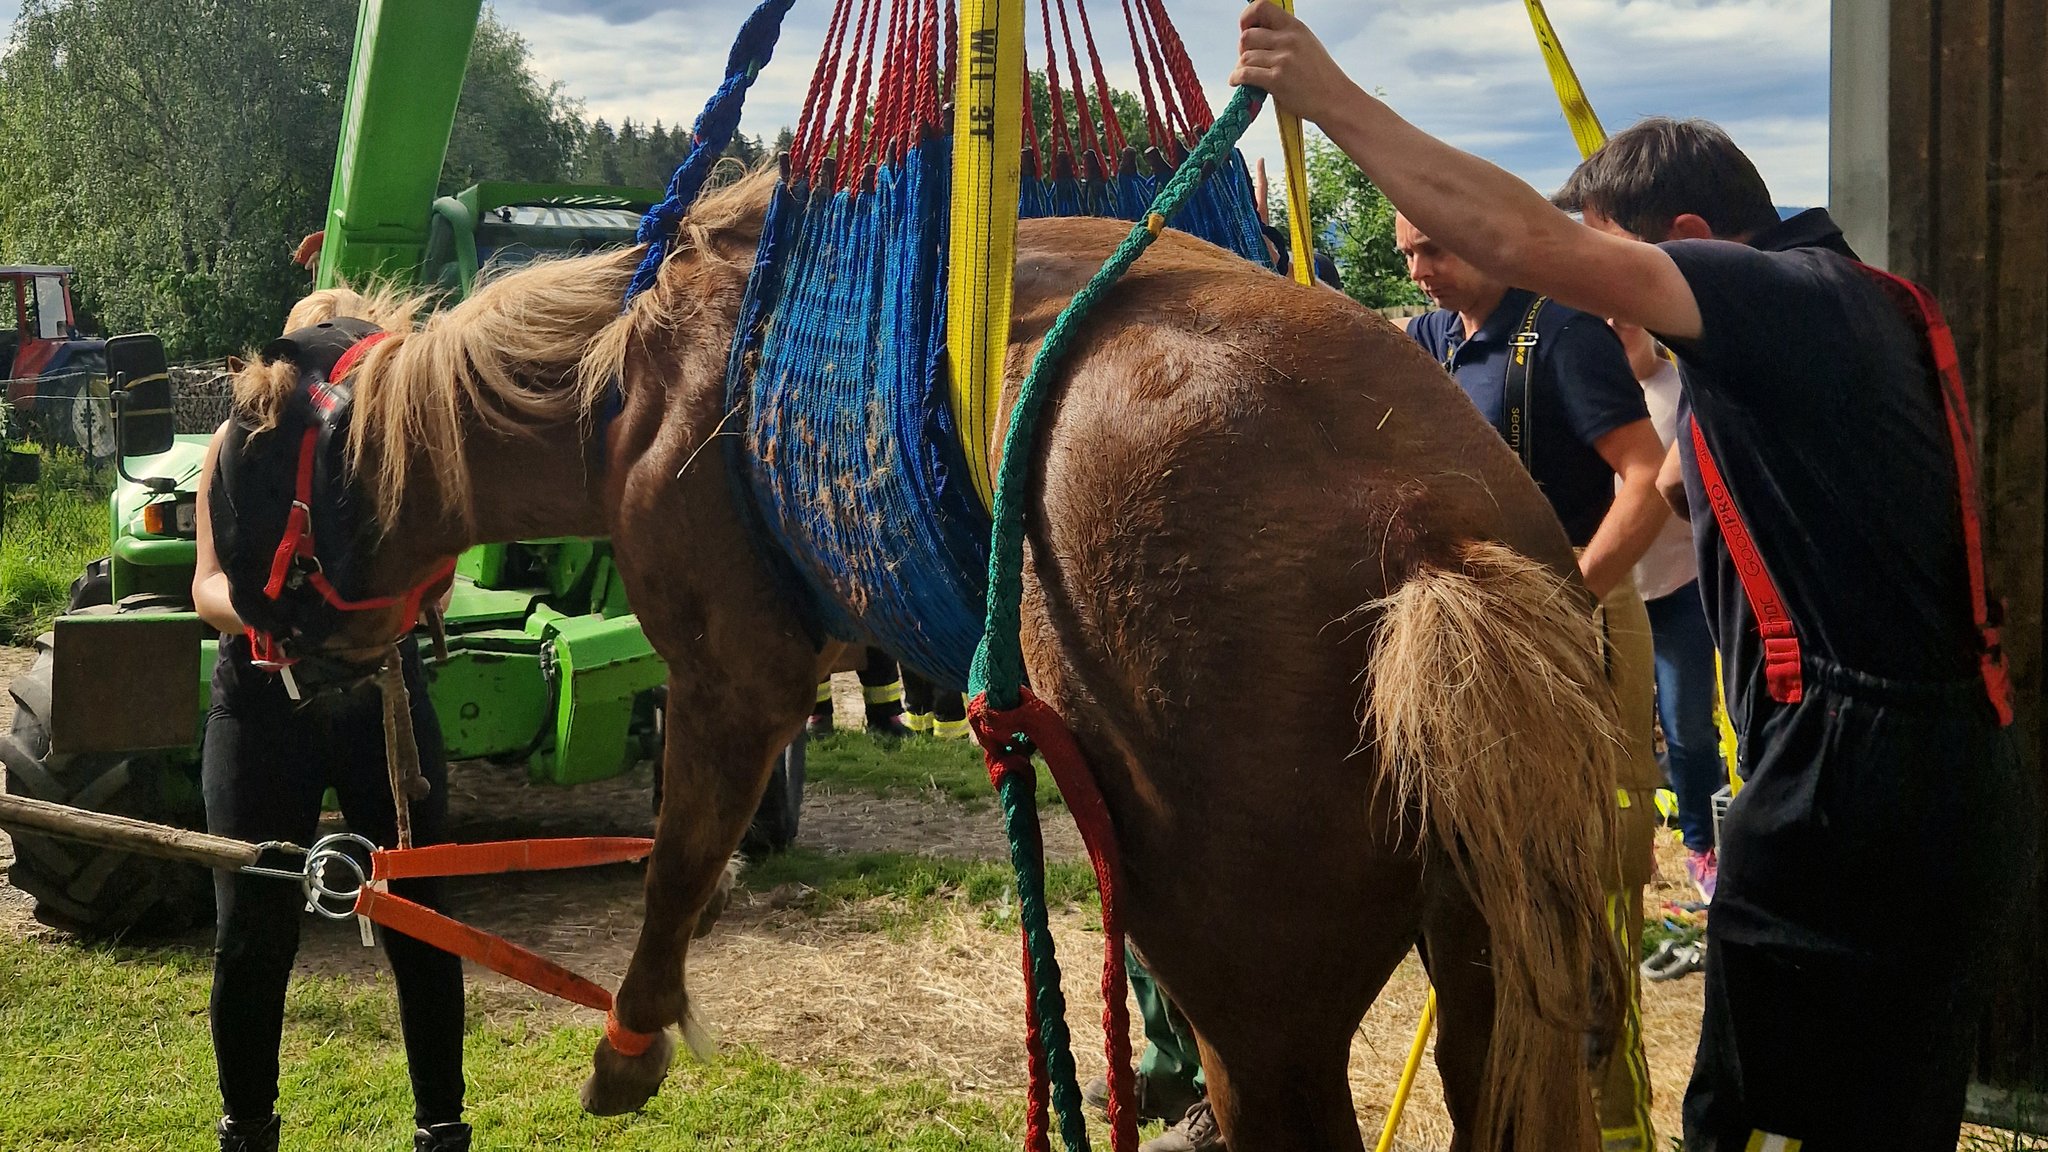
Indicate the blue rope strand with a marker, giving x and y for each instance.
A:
(751, 51)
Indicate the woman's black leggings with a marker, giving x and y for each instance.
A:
(266, 761)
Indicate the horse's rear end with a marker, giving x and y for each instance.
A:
(1318, 634)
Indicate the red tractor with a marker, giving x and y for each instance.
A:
(55, 375)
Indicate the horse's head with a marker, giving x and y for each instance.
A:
(301, 546)
(369, 449)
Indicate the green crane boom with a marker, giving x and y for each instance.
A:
(402, 88)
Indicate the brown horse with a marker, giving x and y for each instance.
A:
(1319, 635)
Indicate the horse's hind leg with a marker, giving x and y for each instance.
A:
(1280, 1081)
(1456, 950)
(719, 749)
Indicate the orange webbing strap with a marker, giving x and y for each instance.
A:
(506, 856)
(1924, 316)
(493, 952)
(1781, 642)
(499, 955)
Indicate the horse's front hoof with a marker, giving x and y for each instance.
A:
(620, 1084)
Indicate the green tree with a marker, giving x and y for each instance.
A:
(510, 124)
(174, 150)
(1354, 223)
(1130, 114)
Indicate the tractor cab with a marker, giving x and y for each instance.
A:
(39, 332)
(503, 225)
(54, 373)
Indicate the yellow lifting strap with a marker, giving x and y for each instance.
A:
(988, 139)
(988, 146)
(1294, 157)
(1578, 111)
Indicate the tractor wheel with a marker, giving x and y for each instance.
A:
(98, 891)
(72, 411)
(92, 421)
(94, 586)
(775, 821)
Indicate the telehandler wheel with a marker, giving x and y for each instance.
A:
(98, 891)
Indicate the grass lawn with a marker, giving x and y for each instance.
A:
(952, 769)
(53, 529)
(107, 1049)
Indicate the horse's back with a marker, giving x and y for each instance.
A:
(1246, 461)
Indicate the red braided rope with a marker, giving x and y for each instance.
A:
(1055, 743)
(807, 148)
(1038, 1098)
(1200, 117)
(853, 147)
(835, 137)
(1082, 113)
(952, 53)
(1031, 123)
(928, 70)
(1060, 143)
(888, 105)
(1176, 120)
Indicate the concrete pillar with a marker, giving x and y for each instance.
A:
(1859, 125)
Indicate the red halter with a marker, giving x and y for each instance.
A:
(297, 547)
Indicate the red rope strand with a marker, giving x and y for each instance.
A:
(805, 146)
(1153, 127)
(1082, 114)
(1112, 130)
(1061, 144)
(852, 152)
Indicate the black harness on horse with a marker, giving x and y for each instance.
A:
(278, 492)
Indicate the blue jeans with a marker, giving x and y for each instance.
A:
(1685, 708)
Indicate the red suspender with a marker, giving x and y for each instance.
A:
(1925, 316)
(1781, 643)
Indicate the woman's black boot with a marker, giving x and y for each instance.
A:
(453, 1137)
(247, 1136)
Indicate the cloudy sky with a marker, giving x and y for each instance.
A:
(1466, 70)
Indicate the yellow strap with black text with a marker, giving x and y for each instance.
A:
(1578, 111)
(988, 149)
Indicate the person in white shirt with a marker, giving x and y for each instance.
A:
(1668, 578)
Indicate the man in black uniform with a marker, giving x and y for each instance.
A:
(1883, 834)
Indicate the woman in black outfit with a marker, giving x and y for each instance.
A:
(266, 761)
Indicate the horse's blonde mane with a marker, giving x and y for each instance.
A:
(715, 213)
(262, 389)
(532, 347)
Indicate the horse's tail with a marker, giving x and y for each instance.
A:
(1489, 703)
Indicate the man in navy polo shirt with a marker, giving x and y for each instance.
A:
(1884, 833)
(1557, 386)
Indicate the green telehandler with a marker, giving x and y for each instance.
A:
(545, 663)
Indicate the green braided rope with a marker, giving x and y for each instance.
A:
(998, 671)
